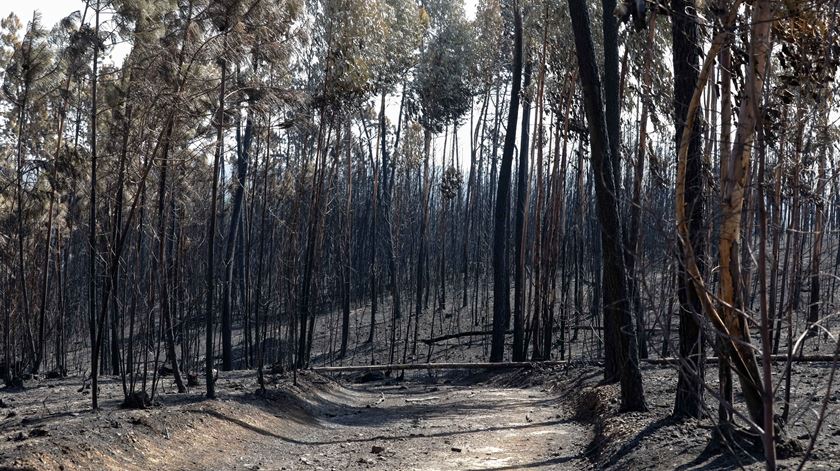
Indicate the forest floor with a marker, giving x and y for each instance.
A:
(556, 418)
(559, 418)
(432, 423)
(654, 440)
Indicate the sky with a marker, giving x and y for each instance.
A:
(51, 10)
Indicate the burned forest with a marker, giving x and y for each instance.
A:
(419, 234)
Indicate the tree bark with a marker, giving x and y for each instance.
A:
(730, 323)
(690, 385)
(616, 302)
(424, 222)
(244, 148)
(520, 227)
(501, 245)
(212, 217)
(733, 181)
(94, 357)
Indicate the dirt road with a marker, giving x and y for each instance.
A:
(446, 427)
(319, 424)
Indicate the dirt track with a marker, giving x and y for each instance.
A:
(318, 424)
(453, 428)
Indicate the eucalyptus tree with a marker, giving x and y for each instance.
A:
(28, 77)
(616, 306)
(93, 255)
(727, 319)
(255, 36)
(350, 40)
(686, 59)
(612, 109)
(440, 95)
(402, 33)
(486, 76)
(501, 243)
(531, 250)
(521, 209)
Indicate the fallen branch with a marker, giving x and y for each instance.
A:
(437, 366)
(421, 399)
(530, 364)
(481, 333)
(472, 333)
(774, 358)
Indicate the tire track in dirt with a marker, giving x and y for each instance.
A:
(459, 428)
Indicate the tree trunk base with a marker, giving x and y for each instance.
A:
(729, 436)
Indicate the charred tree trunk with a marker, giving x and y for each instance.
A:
(520, 227)
(244, 148)
(424, 222)
(212, 217)
(94, 357)
(501, 245)
(347, 267)
(616, 301)
(689, 396)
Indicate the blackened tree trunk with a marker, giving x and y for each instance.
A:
(612, 107)
(94, 357)
(501, 275)
(424, 222)
(612, 87)
(116, 332)
(347, 266)
(314, 239)
(244, 147)
(260, 331)
(689, 398)
(520, 228)
(616, 302)
(374, 246)
(819, 226)
(211, 239)
(634, 239)
(388, 172)
(20, 239)
(163, 268)
(5, 367)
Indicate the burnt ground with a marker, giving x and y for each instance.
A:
(557, 418)
(653, 440)
(428, 423)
